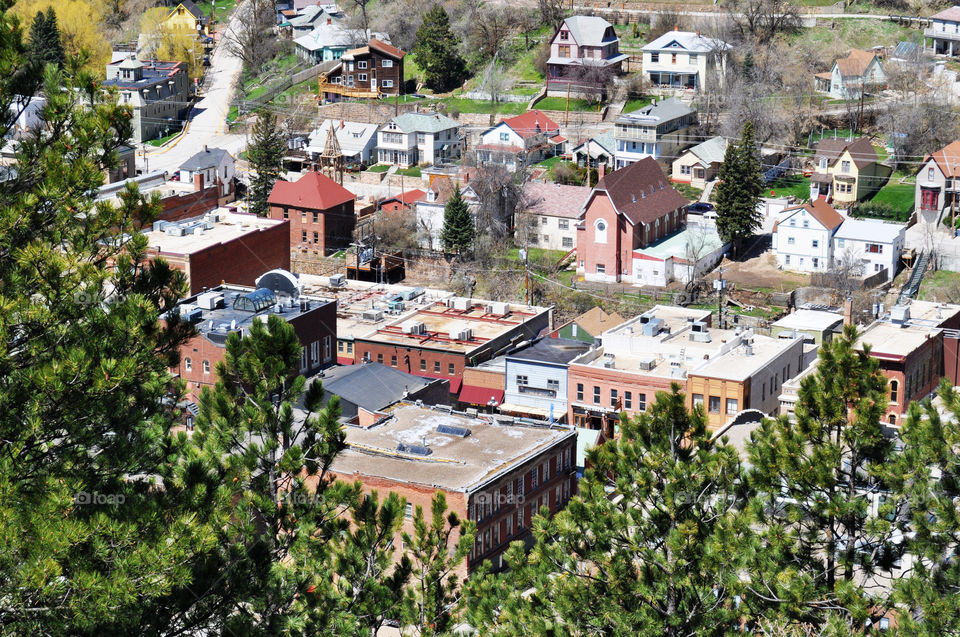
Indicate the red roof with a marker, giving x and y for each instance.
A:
(409, 197)
(313, 191)
(532, 123)
(823, 212)
(480, 395)
(383, 47)
(558, 139)
(948, 159)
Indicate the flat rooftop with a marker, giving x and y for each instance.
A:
(890, 340)
(193, 235)
(674, 318)
(693, 241)
(454, 463)
(931, 313)
(809, 320)
(551, 350)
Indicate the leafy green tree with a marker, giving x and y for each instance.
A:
(458, 230)
(266, 160)
(46, 46)
(436, 51)
(648, 547)
(822, 554)
(738, 191)
(436, 552)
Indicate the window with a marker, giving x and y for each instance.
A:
(929, 174)
(286, 213)
(601, 269)
(315, 351)
(421, 138)
(316, 237)
(823, 163)
(303, 236)
(361, 77)
(815, 243)
(731, 406)
(714, 404)
(874, 248)
(580, 392)
(386, 63)
(408, 512)
(596, 395)
(693, 58)
(816, 263)
(350, 66)
(791, 241)
(563, 35)
(380, 358)
(697, 399)
(393, 360)
(303, 360)
(423, 365)
(504, 137)
(600, 231)
(806, 223)
(349, 347)
(786, 260)
(673, 58)
(543, 221)
(553, 384)
(206, 367)
(929, 198)
(684, 170)
(510, 525)
(793, 222)
(546, 238)
(188, 364)
(546, 470)
(567, 242)
(387, 83)
(316, 217)
(362, 64)
(627, 400)
(845, 166)
(521, 380)
(436, 367)
(613, 398)
(839, 243)
(451, 369)
(894, 387)
(534, 476)
(563, 224)
(642, 402)
(655, 58)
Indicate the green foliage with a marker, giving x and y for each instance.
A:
(458, 230)
(739, 189)
(266, 160)
(436, 51)
(45, 43)
(883, 210)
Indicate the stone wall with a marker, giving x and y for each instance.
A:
(312, 262)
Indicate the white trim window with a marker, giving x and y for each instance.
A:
(599, 231)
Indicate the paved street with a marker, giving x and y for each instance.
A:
(206, 121)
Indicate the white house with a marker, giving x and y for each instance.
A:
(212, 164)
(942, 37)
(412, 139)
(684, 59)
(871, 243)
(682, 256)
(358, 141)
(851, 75)
(551, 214)
(803, 237)
(536, 378)
(658, 130)
(521, 140)
(597, 150)
(430, 210)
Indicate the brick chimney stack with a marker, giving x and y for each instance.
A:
(848, 311)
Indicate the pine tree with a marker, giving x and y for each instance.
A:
(749, 66)
(820, 553)
(436, 51)
(458, 230)
(266, 160)
(45, 44)
(738, 191)
(648, 547)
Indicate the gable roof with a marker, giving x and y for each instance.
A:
(952, 14)
(861, 151)
(442, 188)
(662, 111)
(856, 63)
(641, 192)
(711, 151)
(596, 321)
(371, 386)
(353, 137)
(386, 49)
(194, 10)
(588, 30)
(406, 198)
(531, 123)
(606, 141)
(207, 158)
(948, 159)
(314, 191)
(555, 200)
(687, 40)
(820, 210)
(424, 122)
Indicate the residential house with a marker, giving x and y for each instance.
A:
(659, 130)
(846, 171)
(628, 210)
(412, 139)
(589, 326)
(309, 19)
(369, 71)
(700, 164)
(430, 210)
(682, 256)
(595, 152)
(404, 201)
(584, 56)
(216, 166)
(551, 214)
(536, 378)
(187, 17)
(867, 246)
(852, 76)
(330, 41)
(158, 92)
(803, 237)
(319, 209)
(684, 59)
(495, 474)
(938, 181)
(357, 140)
(942, 37)
(519, 141)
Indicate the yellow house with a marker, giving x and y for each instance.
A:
(187, 16)
(846, 171)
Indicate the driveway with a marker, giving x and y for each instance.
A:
(206, 123)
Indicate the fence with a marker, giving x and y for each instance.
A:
(278, 87)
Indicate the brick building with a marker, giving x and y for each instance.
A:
(223, 310)
(178, 200)
(629, 209)
(495, 473)
(221, 246)
(320, 211)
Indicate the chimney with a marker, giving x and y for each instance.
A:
(198, 182)
(600, 170)
(676, 27)
(205, 149)
(848, 311)
(329, 21)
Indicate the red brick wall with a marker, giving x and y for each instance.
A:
(607, 379)
(924, 367)
(408, 358)
(334, 226)
(241, 260)
(188, 205)
(192, 355)
(590, 252)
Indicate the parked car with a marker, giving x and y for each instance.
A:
(700, 207)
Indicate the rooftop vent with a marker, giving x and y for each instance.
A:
(900, 314)
(373, 316)
(416, 450)
(453, 430)
(337, 280)
(414, 327)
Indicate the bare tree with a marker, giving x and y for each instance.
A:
(492, 27)
(399, 18)
(495, 81)
(395, 230)
(664, 21)
(552, 12)
(252, 38)
(501, 195)
(761, 20)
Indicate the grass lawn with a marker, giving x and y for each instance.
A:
(561, 104)
(463, 105)
(163, 140)
(795, 185)
(413, 171)
(537, 254)
(550, 162)
(223, 9)
(233, 113)
(410, 68)
(688, 191)
(625, 33)
(635, 103)
(900, 196)
(941, 285)
(523, 69)
(379, 168)
(842, 35)
(304, 91)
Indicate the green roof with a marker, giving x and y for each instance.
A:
(424, 122)
(586, 440)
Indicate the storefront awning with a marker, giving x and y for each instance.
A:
(525, 410)
(473, 395)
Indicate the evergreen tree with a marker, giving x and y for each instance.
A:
(647, 547)
(436, 51)
(45, 43)
(821, 554)
(266, 160)
(458, 231)
(738, 191)
(749, 66)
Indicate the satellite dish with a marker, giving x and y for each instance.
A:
(280, 282)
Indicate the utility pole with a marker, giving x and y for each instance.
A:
(719, 286)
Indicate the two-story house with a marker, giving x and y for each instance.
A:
(851, 76)
(937, 183)
(357, 140)
(659, 130)
(309, 19)
(431, 207)
(845, 171)
(329, 41)
(186, 17)
(536, 378)
(584, 55)
(367, 72)
(942, 37)
(803, 237)
(869, 246)
(418, 138)
(519, 141)
(550, 218)
(684, 59)
(158, 92)
(214, 165)
(628, 210)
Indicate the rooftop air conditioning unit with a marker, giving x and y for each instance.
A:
(900, 314)
(174, 230)
(337, 280)
(647, 363)
(461, 335)
(414, 328)
(609, 363)
(373, 316)
(499, 308)
(210, 300)
(460, 303)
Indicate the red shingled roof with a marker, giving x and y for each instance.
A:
(641, 192)
(383, 47)
(823, 212)
(408, 197)
(314, 191)
(532, 123)
(948, 159)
